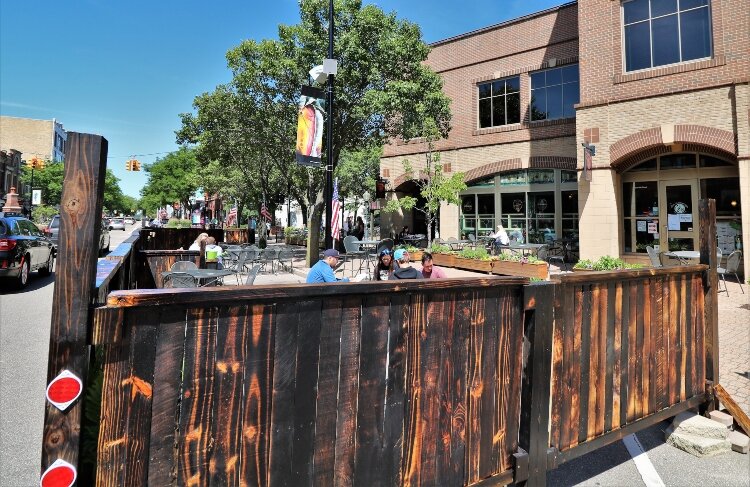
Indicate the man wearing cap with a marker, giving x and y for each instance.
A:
(405, 270)
(323, 270)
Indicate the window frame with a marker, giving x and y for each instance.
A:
(624, 60)
(562, 85)
(491, 97)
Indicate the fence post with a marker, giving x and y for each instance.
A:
(80, 215)
(539, 320)
(707, 242)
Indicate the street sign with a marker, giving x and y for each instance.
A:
(64, 390)
(36, 197)
(59, 474)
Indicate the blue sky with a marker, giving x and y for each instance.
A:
(125, 70)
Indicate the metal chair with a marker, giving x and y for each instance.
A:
(286, 254)
(353, 251)
(183, 265)
(472, 240)
(453, 243)
(244, 257)
(180, 280)
(653, 254)
(268, 256)
(733, 263)
(252, 275)
(543, 253)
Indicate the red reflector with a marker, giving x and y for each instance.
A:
(63, 390)
(7, 244)
(59, 474)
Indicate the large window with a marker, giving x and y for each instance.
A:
(661, 32)
(499, 102)
(554, 92)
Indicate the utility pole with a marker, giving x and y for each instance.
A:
(327, 194)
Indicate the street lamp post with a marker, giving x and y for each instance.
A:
(328, 193)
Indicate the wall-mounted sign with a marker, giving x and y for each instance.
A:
(36, 197)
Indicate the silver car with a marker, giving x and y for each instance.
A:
(117, 224)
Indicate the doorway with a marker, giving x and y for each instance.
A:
(678, 225)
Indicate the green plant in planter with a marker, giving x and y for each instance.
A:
(439, 249)
(514, 257)
(408, 248)
(605, 263)
(479, 253)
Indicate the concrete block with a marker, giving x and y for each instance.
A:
(696, 445)
(722, 418)
(693, 424)
(740, 443)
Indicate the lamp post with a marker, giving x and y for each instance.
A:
(328, 193)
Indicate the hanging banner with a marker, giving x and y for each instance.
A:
(310, 127)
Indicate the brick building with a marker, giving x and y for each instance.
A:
(43, 139)
(660, 89)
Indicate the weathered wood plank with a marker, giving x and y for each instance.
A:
(661, 322)
(370, 432)
(510, 385)
(595, 351)
(488, 449)
(586, 340)
(258, 385)
(170, 350)
(602, 355)
(683, 351)
(561, 399)
(80, 211)
(346, 422)
(634, 351)
(614, 419)
(111, 447)
(476, 385)
(734, 409)
(280, 467)
(396, 395)
(197, 396)
(226, 429)
(305, 393)
(609, 357)
(573, 320)
(707, 243)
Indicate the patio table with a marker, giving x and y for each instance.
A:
(209, 275)
(524, 249)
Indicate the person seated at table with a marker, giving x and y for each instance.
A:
(501, 238)
(404, 270)
(403, 234)
(212, 247)
(323, 270)
(429, 270)
(385, 265)
(359, 230)
(197, 244)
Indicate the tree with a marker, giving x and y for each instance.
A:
(130, 205)
(358, 170)
(434, 186)
(383, 90)
(170, 179)
(113, 197)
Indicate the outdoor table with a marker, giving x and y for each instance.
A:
(685, 256)
(564, 244)
(414, 240)
(367, 245)
(458, 244)
(523, 248)
(211, 275)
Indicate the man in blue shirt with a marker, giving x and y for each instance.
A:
(323, 270)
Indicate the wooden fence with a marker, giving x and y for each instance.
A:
(374, 384)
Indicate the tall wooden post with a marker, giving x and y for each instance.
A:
(80, 215)
(707, 242)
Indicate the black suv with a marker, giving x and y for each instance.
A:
(23, 248)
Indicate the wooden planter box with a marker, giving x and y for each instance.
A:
(444, 260)
(416, 256)
(473, 264)
(510, 268)
(236, 235)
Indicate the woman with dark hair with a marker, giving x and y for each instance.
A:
(360, 229)
(385, 265)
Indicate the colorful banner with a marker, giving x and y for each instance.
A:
(309, 128)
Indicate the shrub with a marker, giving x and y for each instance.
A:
(480, 253)
(605, 263)
(439, 249)
(515, 257)
(175, 223)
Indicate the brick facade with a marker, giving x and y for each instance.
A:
(43, 139)
(699, 106)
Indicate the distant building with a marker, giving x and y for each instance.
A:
(43, 139)
(10, 172)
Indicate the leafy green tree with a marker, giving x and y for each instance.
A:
(358, 170)
(130, 205)
(383, 90)
(173, 178)
(434, 186)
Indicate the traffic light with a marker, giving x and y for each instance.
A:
(35, 163)
(136, 165)
(128, 165)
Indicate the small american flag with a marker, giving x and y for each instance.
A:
(264, 213)
(336, 210)
(232, 216)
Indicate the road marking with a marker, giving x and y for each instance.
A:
(648, 473)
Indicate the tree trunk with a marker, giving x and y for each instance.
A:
(313, 231)
(303, 207)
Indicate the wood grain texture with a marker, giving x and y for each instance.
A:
(80, 213)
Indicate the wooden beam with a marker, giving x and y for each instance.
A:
(80, 215)
(707, 242)
(734, 409)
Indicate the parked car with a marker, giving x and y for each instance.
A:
(129, 220)
(53, 232)
(116, 224)
(23, 249)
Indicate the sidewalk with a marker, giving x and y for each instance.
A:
(734, 326)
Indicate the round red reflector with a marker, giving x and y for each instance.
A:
(59, 474)
(64, 389)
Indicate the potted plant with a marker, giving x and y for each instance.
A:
(605, 263)
(512, 264)
(442, 255)
(474, 260)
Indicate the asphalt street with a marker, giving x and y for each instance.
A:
(24, 343)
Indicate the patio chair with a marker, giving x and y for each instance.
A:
(252, 275)
(543, 253)
(180, 280)
(183, 265)
(286, 254)
(453, 243)
(472, 240)
(244, 257)
(733, 263)
(268, 256)
(653, 254)
(353, 251)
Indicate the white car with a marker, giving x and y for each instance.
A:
(130, 220)
(117, 224)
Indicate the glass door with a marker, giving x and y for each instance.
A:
(679, 216)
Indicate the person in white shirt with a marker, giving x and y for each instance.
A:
(211, 246)
(197, 244)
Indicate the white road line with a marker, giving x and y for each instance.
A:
(648, 473)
